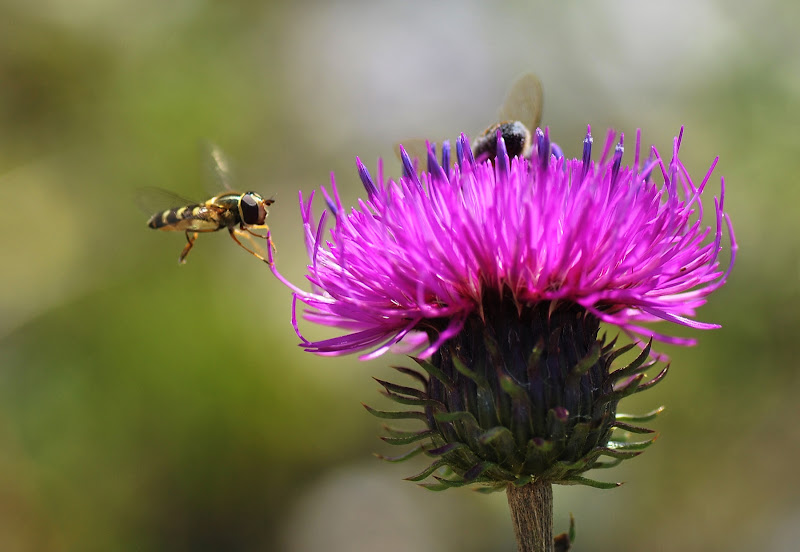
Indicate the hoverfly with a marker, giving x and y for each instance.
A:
(519, 115)
(239, 213)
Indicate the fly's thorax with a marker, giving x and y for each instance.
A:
(225, 209)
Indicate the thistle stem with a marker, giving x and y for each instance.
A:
(532, 516)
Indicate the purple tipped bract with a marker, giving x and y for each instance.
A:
(626, 242)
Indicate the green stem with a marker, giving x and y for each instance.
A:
(532, 516)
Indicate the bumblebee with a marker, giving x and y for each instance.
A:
(516, 136)
(239, 213)
(519, 115)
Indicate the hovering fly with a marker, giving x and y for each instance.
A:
(240, 213)
(519, 115)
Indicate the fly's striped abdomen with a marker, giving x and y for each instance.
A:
(181, 219)
(170, 216)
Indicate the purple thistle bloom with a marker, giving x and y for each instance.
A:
(428, 247)
(499, 272)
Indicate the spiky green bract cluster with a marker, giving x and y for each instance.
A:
(523, 392)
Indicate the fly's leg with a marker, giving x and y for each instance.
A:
(190, 237)
(233, 231)
(263, 237)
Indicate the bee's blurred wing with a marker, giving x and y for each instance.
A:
(152, 200)
(524, 102)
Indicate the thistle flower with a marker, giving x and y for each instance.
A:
(499, 274)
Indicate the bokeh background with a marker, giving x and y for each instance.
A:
(147, 406)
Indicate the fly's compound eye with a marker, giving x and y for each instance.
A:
(252, 209)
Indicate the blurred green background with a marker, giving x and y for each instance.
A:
(147, 406)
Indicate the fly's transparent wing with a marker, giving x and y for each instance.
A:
(524, 102)
(218, 168)
(152, 200)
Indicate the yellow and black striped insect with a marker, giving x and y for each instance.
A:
(240, 213)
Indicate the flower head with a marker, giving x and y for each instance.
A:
(500, 273)
(428, 247)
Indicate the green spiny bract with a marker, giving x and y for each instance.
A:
(521, 393)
